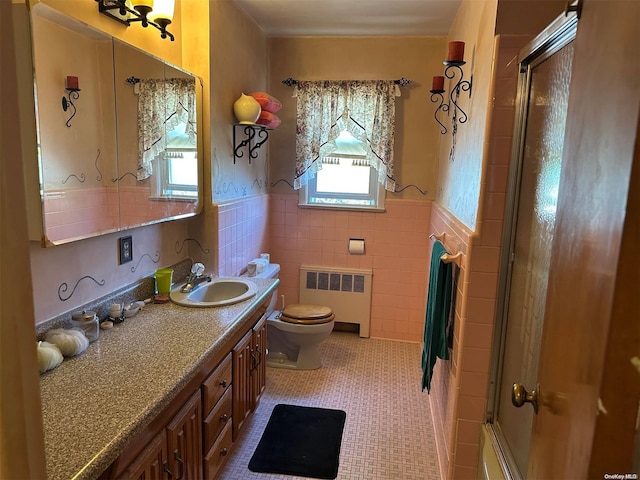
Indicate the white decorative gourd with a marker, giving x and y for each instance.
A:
(49, 356)
(70, 342)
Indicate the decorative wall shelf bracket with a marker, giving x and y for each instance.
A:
(251, 136)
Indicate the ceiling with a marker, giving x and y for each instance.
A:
(351, 17)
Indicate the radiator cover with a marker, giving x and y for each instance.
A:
(346, 291)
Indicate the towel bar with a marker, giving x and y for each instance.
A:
(447, 257)
(452, 258)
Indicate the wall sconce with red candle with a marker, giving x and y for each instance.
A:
(73, 91)
(453, 70)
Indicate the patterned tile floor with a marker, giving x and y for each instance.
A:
(388, 433)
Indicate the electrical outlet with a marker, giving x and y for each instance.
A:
(126, 249)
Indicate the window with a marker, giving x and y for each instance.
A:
(178, 175)
(345, 179)
(344, 143)
(177, 167)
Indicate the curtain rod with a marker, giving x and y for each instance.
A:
(403, 82)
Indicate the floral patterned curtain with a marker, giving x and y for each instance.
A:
(162, 105)
(366, 109)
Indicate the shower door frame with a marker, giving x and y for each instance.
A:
(555, 37)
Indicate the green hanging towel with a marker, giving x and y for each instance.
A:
(438, 305)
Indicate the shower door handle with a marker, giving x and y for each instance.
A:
(519, 396)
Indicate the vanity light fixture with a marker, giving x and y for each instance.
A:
(73, 92)
(158, 13)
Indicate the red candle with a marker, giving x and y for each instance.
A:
(438, 83)
(72, 83)
(456, 52)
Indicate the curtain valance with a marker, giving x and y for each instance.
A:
(366, 109)
(162, 105)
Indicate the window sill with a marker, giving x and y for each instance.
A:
(173, 199)
(342, 207)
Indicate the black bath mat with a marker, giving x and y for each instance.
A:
(302, 441)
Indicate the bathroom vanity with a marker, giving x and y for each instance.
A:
(168, 390)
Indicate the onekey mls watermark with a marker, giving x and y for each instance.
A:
(620, 476)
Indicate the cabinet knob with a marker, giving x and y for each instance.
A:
(224, 417)
(223, 384)
(223, 452)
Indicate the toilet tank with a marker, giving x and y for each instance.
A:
(271, 271)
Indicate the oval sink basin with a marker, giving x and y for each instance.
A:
(216, 293)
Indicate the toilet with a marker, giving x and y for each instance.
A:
(295, 333)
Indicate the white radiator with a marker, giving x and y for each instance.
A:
(346, 291)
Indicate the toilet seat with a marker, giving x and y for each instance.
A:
(304, 314)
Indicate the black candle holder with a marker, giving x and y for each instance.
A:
(453, 69)
(438, 95)
(72, 93)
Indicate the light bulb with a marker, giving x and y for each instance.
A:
(162, 11)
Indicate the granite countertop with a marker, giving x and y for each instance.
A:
(95, 403)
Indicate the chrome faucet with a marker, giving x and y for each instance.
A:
(195, 278)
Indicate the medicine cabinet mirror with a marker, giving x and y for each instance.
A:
(122, 150)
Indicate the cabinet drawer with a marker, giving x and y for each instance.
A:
(219, 417)
(215, 385)
(217, 456)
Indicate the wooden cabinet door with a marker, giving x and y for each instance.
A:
(151, 463)
(184, 440)
(259, 370)
(242, 363)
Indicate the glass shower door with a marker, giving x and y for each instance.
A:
(544, 92)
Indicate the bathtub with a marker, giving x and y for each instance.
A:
(488, 464)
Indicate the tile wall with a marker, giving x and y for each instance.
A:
(396, 249)
(142, 208)
(80, 212)
(242, 233)
(444, 385)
